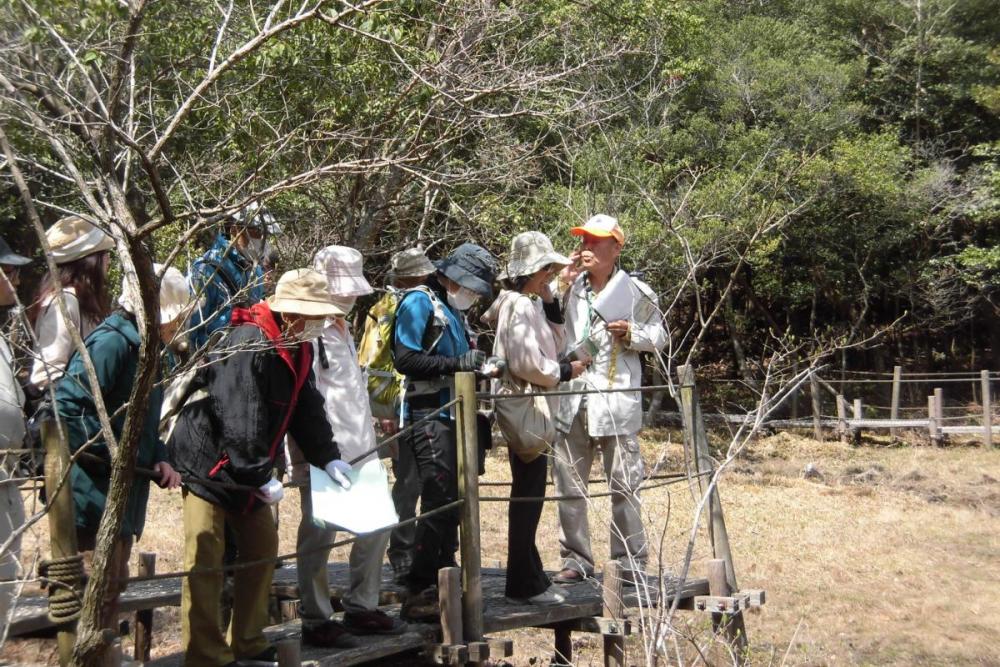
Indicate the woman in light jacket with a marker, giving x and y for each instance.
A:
(81, 252)
(529, 335)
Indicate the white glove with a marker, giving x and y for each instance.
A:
(271, 492)
(337, 470)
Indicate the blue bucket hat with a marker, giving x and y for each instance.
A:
(472, 267)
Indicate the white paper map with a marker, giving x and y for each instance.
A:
(363, 508)
(616, 300)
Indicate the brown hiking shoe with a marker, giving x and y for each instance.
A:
(568, 576)
(421, 607)
(329, 634)
(373, 622)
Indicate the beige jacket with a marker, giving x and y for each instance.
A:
(53, 343)
(615, 365)
(526, 338)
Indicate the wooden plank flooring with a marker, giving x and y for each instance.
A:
(500, 615)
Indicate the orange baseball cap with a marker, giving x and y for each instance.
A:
(601, 226)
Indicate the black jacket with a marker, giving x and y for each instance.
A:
(244, 402)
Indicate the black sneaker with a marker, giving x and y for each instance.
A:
(329, 634)
(373, 622)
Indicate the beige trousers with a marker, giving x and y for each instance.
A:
(573, 457)
(314, 589)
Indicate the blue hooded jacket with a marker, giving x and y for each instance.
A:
(221, 279)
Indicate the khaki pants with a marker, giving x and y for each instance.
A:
(204, 544)
(573, 456)
(314, 590)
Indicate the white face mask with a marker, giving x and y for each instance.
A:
(311, 330)
(462, 299)
(345, 303)
(254, 250)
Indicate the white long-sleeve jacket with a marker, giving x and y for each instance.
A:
(616, 364)
(54, 344)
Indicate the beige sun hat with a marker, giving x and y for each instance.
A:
(342, 267)
(303, 292)
(175, 296)
(411, 263)
(75, 237)
(529, 253)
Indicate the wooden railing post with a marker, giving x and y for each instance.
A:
(939, 413)
(856, 429)
(984, 378)
(842, 417)
(932, 424)
(614, 608)
(62, 524)
(468, 491)
(897, 378)
(694, 433)
(816, 406)
(734, 626)
(144, 617)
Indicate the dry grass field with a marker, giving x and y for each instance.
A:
(890, 556)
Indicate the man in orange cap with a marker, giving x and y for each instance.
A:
(610, 421)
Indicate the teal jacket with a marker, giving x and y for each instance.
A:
(114, 349)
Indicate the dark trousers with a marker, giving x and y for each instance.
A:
(405, 492)
(525, 574)
(436, 539)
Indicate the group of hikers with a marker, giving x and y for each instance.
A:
(275, 382)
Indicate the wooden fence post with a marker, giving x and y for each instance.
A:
(842, 417)
(897, 378)
(289, 652)
(468, 490)
(62, 524)
(734, 626)
(932, 424)
(939, 413)
(816, 406)
(614, 608)
(856, 430)
(694, 433)
(144, 617)
(984, 378)
(450, 599)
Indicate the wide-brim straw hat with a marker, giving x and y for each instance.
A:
(472, 267)
(601, 226)
(303, 292)
(75, 237)
(529, 253)
(175, 296)
(342, 267)
(411, 263)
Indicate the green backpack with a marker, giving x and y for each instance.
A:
(385, 384)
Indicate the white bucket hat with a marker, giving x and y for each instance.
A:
(529, 253)
(74, 237)
(303, 292)
(411, 263)
(175, 297)
(342, 267)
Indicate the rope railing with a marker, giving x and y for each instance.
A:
(293, 555)
(605, 494)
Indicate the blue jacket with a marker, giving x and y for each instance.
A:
(114, 349)
(220, 279)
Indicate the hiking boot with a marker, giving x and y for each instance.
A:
(421, 607)
(569, 576)
(373, 622)
(400, 570)
(329, 634)
(266, 658)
